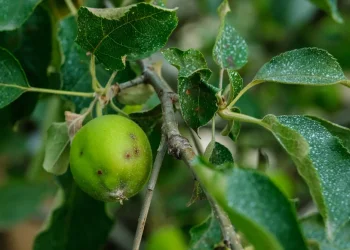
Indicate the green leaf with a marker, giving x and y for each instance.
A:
(13, 81)
(196, 96)
(31, 45)
(75, 68)
(167, 237)
(330, 6)
(56, 159)
(19, 200)
(136, 95)
(309, 66)
(236, 84)
(77, 222)
(235, 130)
(132, 32)
(230, 50)
(342, 133)
(13, 13)
(220, 155)
(197, 194)
(322, 161)
(187, 62)
(152, 102)
(147, 120)
(197, 99)
(206, 235)
(131, 70)
(254, 205)
(315, 232)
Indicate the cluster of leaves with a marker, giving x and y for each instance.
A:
(318, 151)
(117, 37)
(67, 68)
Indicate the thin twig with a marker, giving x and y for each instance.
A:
(71, 7)
(121, 112)
(179, 146)
(196, 141)
(213, 128)
(142, 65)
(138, 80)
(148, 198)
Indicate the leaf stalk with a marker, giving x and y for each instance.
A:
(49, 91)
(245, 89)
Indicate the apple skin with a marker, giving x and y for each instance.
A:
(111, 158)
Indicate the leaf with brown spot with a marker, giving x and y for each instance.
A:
(198, 107)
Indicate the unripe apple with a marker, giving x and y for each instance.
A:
(111, 158)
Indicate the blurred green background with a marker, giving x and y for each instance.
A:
(269, 27)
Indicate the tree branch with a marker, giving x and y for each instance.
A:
(231, 239)
(148, 198)
(226, 227)
(138, 80)
(181, 149)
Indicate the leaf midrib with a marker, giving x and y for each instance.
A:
(14, 85)
(61, 152)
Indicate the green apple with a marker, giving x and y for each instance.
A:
(111, 158)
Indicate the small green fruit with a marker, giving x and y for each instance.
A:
(111, 158)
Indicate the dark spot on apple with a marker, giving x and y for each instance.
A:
(127, 155)
(132, 136)
(99, 172)
(81, 153)
(137, 151)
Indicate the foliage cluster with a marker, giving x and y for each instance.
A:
(63, 57)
